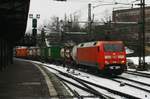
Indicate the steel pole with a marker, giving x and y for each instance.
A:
(143, 30)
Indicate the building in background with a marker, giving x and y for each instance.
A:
(130, 31)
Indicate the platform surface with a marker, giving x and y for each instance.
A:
(22, 80)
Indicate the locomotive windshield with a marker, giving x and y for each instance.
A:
(113, 47)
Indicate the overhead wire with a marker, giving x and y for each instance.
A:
(82, 8)
(104, 2)
(114, 2)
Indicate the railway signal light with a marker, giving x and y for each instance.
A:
(34, 23)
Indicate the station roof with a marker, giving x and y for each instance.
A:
(13, 19)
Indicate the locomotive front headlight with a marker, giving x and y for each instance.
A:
(107, 57)
(121, 56)
(106, 62)
(122, 62)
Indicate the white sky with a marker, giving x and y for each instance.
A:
(49, 8)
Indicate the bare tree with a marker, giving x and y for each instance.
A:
(53, 25)
(107, 17)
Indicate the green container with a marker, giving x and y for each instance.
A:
(54, 52)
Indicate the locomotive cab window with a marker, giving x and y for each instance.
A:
(113, 47)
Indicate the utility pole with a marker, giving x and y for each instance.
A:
(57, 24)
(64, 28)
(89, 19)
(143, 31)
(142, 36)
(65, 23)
(43, 44)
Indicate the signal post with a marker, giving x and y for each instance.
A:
(34, 28)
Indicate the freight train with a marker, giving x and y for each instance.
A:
(104, 56)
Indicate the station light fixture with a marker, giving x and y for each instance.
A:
(37, 16)
(31, 16)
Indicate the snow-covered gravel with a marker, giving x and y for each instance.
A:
(136, 78)
(109, 83)
(133, 83)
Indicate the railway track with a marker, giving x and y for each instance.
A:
(138, 73)
(89, 88)
(126, 81)
(142, 83)
(133, 83)
(75, 93)
(82, 86)
(93, 91)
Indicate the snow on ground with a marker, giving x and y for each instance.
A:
(116, 86)
(133, 83)
(82, 75)
(137, 78)
(107, 83)
(136, 60)
(71, 80)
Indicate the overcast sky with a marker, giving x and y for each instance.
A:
(49, 8)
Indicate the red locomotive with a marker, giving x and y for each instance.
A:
(107, 56)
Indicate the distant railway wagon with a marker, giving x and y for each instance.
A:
(107, 56)
(53, 53)
(21, 52)
(34, 53)
(65, 52)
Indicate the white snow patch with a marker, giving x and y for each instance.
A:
(108, 83)
(136, 60)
